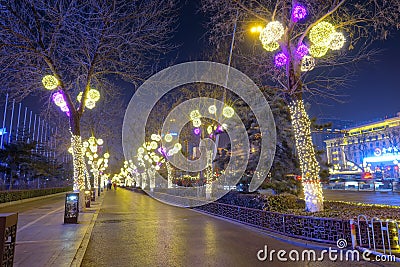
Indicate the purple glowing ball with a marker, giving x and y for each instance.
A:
(220, 129)
(280, 59)
(301, 50)
(196, 131)
(299, 12)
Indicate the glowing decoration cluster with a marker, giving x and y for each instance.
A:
(79, 164)
(271, 34)
(307, 63)
(59, 100)
(228, 112)
(280, 59)
(308, 163)
(92, 97)
(324, 37)
(50, 82)
(299, 12)
(301, 51)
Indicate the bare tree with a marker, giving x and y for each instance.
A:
(360, 22)
(84, 45)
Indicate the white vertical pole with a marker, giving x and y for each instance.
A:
(38, 131)
(11, 123)
(4, 122)
(23, 133)
(55, 143)
(34, 128)
(30, 122)
(19, 115)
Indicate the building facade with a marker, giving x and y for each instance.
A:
(371, 147)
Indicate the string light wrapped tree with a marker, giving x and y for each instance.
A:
(300, 39)
(72, 47)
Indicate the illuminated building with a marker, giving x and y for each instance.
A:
(371, 147)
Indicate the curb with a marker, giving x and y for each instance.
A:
(11, 203)
(78, 258)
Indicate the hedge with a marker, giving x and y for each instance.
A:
(8, 196)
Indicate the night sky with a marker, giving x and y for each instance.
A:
(372, 94)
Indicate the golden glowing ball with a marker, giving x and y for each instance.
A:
(209, 129)
(140, 150)
(50, 82)
(318, 51)
(271, 46)
(307, 63)
(228, 112)
(256, 29)
(196, 123)
(337, 41)
(70, 150)
(168, 138)
(195, 114)
(94, 95)
(321, 34)
(153, 145)
(272, 32)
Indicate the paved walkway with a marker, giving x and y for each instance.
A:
(42, 237)
(133, 229)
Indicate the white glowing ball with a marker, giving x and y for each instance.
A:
(209, 129)
(146, 157)
(156, 158)
(141, 150)
(212, 109)
(178, 146)
(87, 154)
(90, 104)
(272, 32)
(100, 141)
(50, 82)
(157, 167)
(307, 63)
(271, 46)
(85, 144)
(70, 150)
(94, 95)
(337, 41)
(228, 112)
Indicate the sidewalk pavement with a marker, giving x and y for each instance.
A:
(44, 240)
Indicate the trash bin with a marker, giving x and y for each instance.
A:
(8, 232)
(71, 208)
(87, 199)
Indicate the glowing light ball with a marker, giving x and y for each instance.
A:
(157, 168)
(209, 129)
(70, 150)
(153, 145)
(94, 95)
(106, 155)
(228, 112)
(156, 158)
(299, 12)
(196, 131)
(337, 41)
(301, 50)
(196, 122)
(100, 141)
(64, 108)
(58, 99)
(321, 34)
(92, 140)
(280, 59)
(87, 154)
(195, 114)
(212, 109)
(271, 46)
(318, 51)
(50, 82)
(272, 32)
(178, 146)
(168, 138)
(141, 150)
(90, 104)
(307, 63)
(224, 126)
(79, 97)
(146, 157)
(85, 144)
(219, 128)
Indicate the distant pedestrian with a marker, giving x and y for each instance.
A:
(115, 186)
(109, 185)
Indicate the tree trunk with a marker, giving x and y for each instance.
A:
(306, 154)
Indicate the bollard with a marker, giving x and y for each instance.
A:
(8, 228)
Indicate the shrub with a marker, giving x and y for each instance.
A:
(8, 196)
